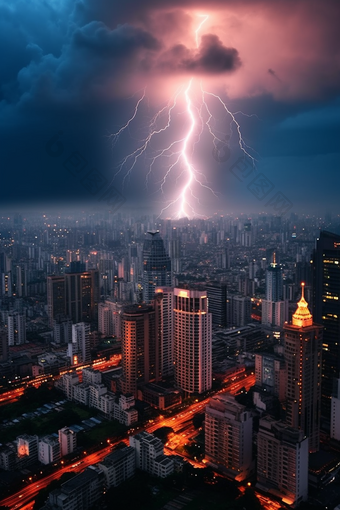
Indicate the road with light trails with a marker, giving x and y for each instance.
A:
(26, 495)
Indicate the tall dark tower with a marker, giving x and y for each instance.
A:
(140, 347)
(156, 266)
(326, 310)
(303, 353)
(274, 285)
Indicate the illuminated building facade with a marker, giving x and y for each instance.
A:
(326, 310)
(140, 348)
(303, 358)
(156, 266)
(192, 341)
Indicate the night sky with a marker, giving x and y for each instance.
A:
(72, 73)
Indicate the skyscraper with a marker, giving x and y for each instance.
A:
(140, 349)
(82, 296)
(303, 353)
(164, 300)
(156, 266)
(274, 285)
(192, 341)
(75, 295)
(217, 296)
(326, 310)
(274, 308)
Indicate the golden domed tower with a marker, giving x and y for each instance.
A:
(303, 352)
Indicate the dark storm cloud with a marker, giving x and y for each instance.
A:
(67, 64)
(119, 43)
(211, 58)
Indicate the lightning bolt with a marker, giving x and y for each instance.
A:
(179, 152)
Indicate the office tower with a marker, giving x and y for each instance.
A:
(175, 254)
(303, 353)
(82, 296)
(16, 326)
(238, 310)
(335, 412)
(282, 461)
(274, 307)
(229, 436)
(75, 295)
(48, 449)
(192, 341)
(217, 300)
(56, 304)
(67, 440)
(156, 266)
(326, 310)
(79, 349)
(164, 304)
(274, 282)
(140, 349)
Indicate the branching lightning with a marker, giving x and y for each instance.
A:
(179, 152)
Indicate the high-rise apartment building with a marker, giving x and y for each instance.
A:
(164, 304)
(229, 436)
(303, 356)
(16, 328)
(192, 341)
(156, 266)
(326, 310)
(140, 347)
(79, 350)
(282, 461)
